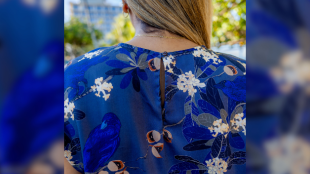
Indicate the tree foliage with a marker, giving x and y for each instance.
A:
(122, 31)
(229, 22)
(229, 27)
(78, 37)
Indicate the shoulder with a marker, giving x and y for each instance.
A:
(91, 58)
(232, 60)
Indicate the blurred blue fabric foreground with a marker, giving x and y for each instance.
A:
(31, 86)
(278, 91)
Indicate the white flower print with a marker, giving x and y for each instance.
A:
(200, 51)
(219, 127)
(169, 62)
(239, 122)
(187, 82)
(216, 166)
(68, 156)
(102, 87)
(91, 55)
(69, 107)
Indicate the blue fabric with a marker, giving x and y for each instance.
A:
(114, 122)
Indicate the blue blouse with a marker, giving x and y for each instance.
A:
(114, 122)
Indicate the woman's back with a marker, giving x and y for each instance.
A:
(114, 119)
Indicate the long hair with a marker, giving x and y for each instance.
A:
(191, 19)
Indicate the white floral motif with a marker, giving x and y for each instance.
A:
(169, 62)
(102, 87)
(219, 127)
(69, 107)
(200, 51)
(91, 55)
(216, 166)
(187, 82)
(239, 122)
(68, 156)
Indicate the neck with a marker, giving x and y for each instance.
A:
(156, 33)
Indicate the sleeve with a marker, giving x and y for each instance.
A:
(72, 146)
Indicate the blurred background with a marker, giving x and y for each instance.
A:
(278, 86)
(99, 23)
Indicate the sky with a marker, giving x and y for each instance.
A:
(67, 7)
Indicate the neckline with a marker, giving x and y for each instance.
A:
(125, 45)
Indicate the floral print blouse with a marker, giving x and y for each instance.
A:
(114, 122)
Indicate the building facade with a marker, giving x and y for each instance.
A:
(101, 13)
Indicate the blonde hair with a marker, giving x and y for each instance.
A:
(191, 19)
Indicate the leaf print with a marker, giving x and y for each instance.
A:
(212, 96)
(223, 115)
(238, 110)
(142, 58)
(116, 71)
(75, 146)
(182, 168)
(177, 70)
(126, 81)
(234, 89)
(190, 110)
(208, 108)
(123, 57)
(206, 119)
(197, 133)
(220, 147)
(125, 70)
(237, 158)
(132, 54)
(117, 64)
(69, 130)
(170, 91)
(142, 74)
(197, 145)
(203, 74)
(79, 115)
(135, 81)
(236, 141)
(134, 70)
(102, 86)
(199, 62)
(188, 159)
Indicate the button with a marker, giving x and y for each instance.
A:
(165, 54)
